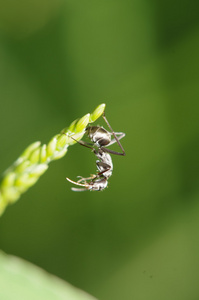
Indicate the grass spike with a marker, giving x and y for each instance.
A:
(34, 160)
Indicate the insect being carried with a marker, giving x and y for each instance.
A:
(100, 138)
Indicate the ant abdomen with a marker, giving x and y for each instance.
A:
(98, 135)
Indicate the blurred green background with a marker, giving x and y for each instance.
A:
(138, 239)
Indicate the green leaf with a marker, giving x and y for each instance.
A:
(22, 280)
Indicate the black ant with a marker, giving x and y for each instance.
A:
(101, 138)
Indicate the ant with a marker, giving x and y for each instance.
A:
(101, 138)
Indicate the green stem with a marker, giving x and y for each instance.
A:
(34, 161)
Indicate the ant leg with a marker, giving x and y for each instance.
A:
(101, 165)
(116, 138)
(112, 151)
(119, 135)
(85, 144)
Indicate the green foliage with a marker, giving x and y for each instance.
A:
(34, 161)
(139, 238)
(22, 280)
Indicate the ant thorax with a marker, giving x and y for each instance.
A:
(99, 135)
(104, 164)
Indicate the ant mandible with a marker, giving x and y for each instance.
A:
(101, 138)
